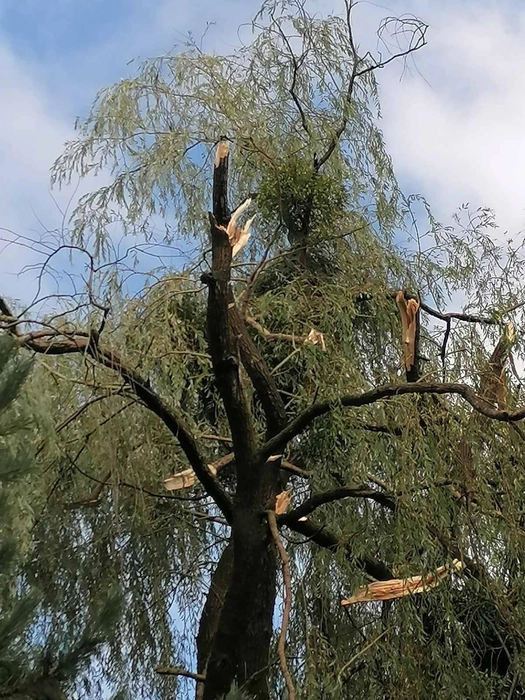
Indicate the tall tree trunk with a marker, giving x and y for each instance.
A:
(242, 642)
(241, 647)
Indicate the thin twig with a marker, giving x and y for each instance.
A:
(173, 671)
(274, 336)
(281, 646)
(362, 651)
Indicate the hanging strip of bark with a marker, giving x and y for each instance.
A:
(281, 646)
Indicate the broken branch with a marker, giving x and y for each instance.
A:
(174, 671)
(402, 587)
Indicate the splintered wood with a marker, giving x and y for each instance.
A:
(187, 478)
(182, 480)
(493, 385)
(401, 587)
(316, 338)
(223, 150)
(408, 310)
(282, 502)
(237, 235)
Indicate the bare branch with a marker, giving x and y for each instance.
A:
(304, 419)
(296, 66)
(468, 318)
(350, 491)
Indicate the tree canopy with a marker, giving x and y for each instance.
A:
(298, 469)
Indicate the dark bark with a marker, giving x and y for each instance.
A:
(209, 621)
(242, 643)
(240, 647)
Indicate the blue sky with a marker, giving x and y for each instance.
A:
(454, 126)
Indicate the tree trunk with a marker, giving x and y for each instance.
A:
(240, 648)
(242, 643)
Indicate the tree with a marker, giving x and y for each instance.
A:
(268, 369)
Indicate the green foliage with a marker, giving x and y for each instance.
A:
(304, 199)
(156, 131)
(31, 666)
(237, 694)
(107, 524)
(14, 460)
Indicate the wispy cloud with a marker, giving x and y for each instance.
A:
(454, 128)
(32, 132)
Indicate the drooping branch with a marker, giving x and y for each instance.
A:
(350, 491)
(304, 419)
(281, 645)
(56, 344)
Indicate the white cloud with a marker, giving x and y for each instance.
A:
(459, 136)
(455, 134)
(454, 129)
